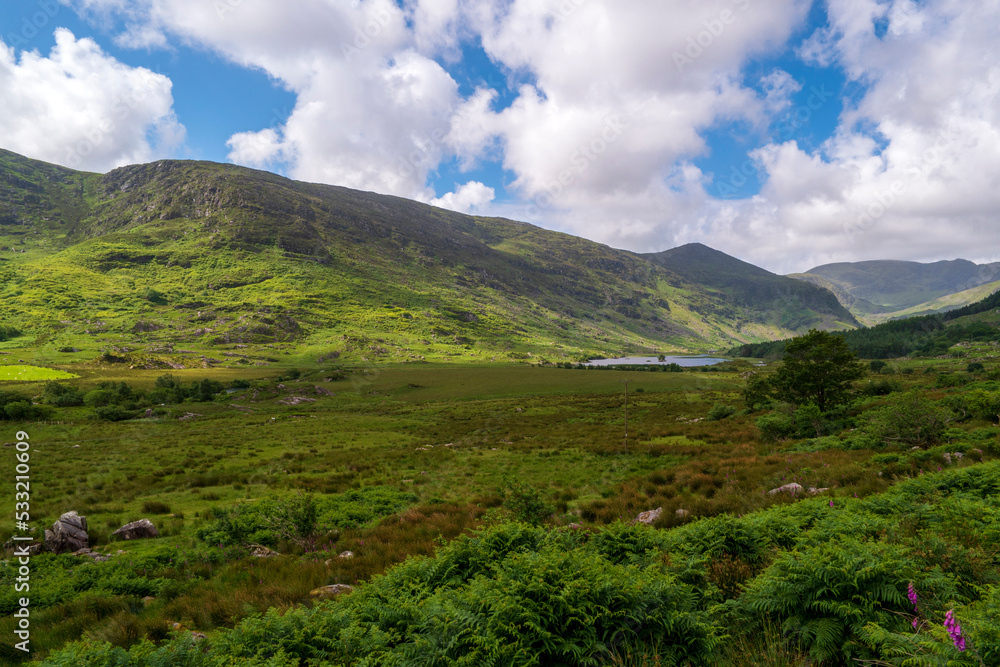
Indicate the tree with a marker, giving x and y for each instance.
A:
(818, 368)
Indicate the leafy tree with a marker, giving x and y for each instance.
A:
(818, 368)
(877, 366)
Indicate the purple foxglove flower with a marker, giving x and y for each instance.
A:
(954, 630)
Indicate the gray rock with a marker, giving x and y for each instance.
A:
(683, 513)
(791, 488)
(649, 516)
(347, 554)
(260, 551)
(68, 534)
(137, 530)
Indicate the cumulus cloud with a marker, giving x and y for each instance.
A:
(912, 170)
(615, 100)
(472, 197)
(82, 108)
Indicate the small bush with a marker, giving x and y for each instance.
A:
(776, 426)
(114, 413)
(721, 411)
(525, 503)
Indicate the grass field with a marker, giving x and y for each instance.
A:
(438, 441)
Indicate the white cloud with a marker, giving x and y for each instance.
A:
(615, 102)
(472, 197)
(912, 170)
(82, 108)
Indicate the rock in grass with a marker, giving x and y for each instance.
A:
(68, 534)
(331, 591)
(137, 530)
(791, 488)
(650, 516)
(260, 551)
(682, 513)
(347, 554)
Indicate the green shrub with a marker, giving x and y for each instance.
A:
(61, 395)
(98, 398)
(25, 411)
(776, 426)
(908, 419)
(114, 413)
(721, 411)
(525, 503)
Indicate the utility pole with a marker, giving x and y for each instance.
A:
(625, 382)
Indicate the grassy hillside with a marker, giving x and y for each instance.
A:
(149, 259)
(757, 295)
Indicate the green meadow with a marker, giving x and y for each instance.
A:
(397, 463)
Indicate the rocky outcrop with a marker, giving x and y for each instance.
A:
(68, 534)
(650, 516)
(791, 488)
(137, 530)
(260, 551)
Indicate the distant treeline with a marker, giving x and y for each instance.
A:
(927, 335)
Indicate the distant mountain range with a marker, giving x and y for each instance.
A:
(875, 291)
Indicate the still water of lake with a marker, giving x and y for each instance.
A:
(699, 360)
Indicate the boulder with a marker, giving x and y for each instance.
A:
(791, 488)
(347, 554)
(323, 391)
(813, 490)
(682, 513)
(137, 530)
(649, 516)
(260, 551)
(68, 534)
(331, 591)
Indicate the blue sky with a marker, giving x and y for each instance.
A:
(788, 133)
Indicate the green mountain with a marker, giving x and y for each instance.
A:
(880, 290)
(146, 259)
(757, 296)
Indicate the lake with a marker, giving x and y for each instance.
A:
(688, 361)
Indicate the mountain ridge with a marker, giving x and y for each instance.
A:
(204, 254)
(878, 290)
